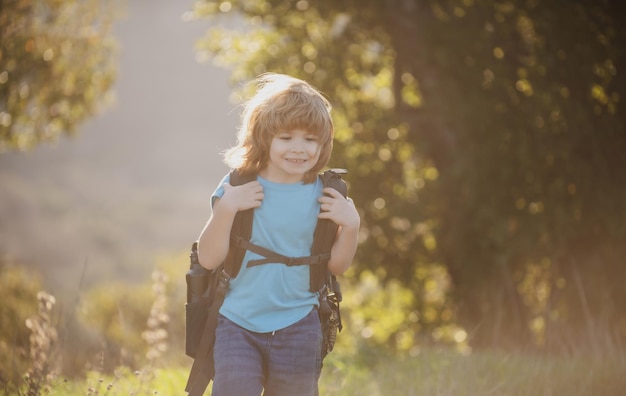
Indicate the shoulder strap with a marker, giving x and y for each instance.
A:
(326, 231)
(323, 238)
(242, 228)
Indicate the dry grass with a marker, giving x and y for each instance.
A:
(445, 372)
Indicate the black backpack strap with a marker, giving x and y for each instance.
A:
(272, 257)
(326, 231)
(242, 229)
(323, 237)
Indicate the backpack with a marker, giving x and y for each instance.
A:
(206, 289)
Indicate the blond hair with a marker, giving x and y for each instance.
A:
(281, 103)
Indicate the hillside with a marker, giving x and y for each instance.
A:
(135, 182)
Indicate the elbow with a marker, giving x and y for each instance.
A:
(204, 261)
(338, 268)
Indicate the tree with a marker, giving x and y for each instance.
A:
(56, 65)
(482, 136)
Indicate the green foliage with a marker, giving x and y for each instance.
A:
(383, 317)
(535, 179)
(174, 267)
(114, 325)
(56, 65)
(483, 138)
(117, 313)
(137, 325)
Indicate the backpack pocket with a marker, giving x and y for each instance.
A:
(195, 318)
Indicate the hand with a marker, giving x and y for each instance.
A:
(243, 197)
(338, 209)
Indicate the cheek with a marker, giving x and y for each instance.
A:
(275, 145)
(314, 149)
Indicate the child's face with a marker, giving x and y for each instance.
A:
(292, 154)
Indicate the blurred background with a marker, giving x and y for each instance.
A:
(133, 182)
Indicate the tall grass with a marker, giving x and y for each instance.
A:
(43, 347)
(433, 372)
(446, 372)
(125, 382)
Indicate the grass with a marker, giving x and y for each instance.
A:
(435, 372)
(126, 382)
(441, 372)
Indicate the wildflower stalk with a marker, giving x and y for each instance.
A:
(156, 334)
(43, 345)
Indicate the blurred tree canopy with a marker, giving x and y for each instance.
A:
(56, 65)
(484, 137)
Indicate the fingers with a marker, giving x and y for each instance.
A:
(252, 194)
(245, 196)
(334, 206)
(331, 192)
(333, 201)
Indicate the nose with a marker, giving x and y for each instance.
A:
(298, 146)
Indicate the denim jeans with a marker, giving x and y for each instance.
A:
(286, 362)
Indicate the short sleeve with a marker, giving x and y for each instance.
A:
(219, 191)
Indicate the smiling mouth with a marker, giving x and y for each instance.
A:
(296, 161)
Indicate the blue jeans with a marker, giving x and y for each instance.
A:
(286, 362)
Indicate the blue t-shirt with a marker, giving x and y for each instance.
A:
(270, 297)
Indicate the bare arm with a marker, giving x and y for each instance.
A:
(342, 211)
(215, 237)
